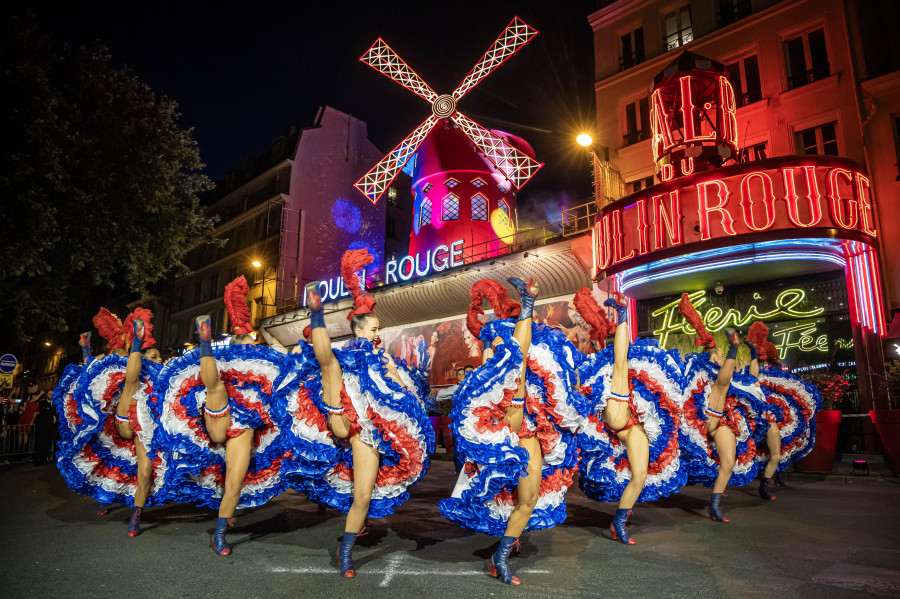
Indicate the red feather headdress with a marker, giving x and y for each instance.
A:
(236, 304)
(145, 315)
(758, 334)
(592, 314)
(503, 305)
(690, 314)
(110, 328)
(352, 261)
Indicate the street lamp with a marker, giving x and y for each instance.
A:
(256, 263)
(47, 343)
(262, 287)
(584, 140)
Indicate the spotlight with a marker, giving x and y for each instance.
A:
(861, 467)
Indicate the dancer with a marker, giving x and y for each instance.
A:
(387, 430)
(723, 446)
(630, 442)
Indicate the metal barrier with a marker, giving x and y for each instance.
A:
(17, 442)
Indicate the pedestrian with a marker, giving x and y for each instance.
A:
(43, 432)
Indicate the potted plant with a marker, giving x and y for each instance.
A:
(887, 421)
(834, 388)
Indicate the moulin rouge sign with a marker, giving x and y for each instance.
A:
(781, 195)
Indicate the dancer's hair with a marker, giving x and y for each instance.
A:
(363, 303)
(590, 311)
(236, 305)
(690, 314)
(504, 306)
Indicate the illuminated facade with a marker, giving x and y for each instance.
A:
(738, 129)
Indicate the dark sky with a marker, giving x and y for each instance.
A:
(240, 75)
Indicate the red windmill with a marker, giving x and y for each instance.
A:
(511, 164)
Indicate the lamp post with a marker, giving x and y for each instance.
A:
(257, 265)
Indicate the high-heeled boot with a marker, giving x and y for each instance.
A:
(220, 545)
(134, 523)
(617, 528)
(620, 304)
(500, 561)
(764, 489)
(314, 303)
(714, 512)
(527, 298)
(345, 555)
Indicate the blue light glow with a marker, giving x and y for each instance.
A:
(346, 216)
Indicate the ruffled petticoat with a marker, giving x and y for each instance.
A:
(95, 460)
(197, 465)
(655, 377)
(793, 405)
(698, 451)
(416, 380)
(386, 416)
(485, 493)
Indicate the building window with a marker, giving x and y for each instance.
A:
(729, 11)
(636, 186)
(451, 183)
(450, 208)
(807, 58)
(392, 196)
(631, 46)
(753, 153)
(425, 213)
(637, 122)
(744, 77)
(678, 28)
(426, 188)
(504, 207)
(479, 207)
(821, 140)
(478, 182)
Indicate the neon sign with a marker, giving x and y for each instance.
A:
(777, 197)
(802, 337)
(402, 270)
(715, 319)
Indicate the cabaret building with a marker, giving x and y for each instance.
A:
(736, 158)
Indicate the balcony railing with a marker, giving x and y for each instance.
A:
(633, 137)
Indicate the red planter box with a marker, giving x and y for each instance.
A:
(821, 458)
(887, 423)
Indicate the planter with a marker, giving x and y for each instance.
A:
(446, 433)
(821, 458)
(887, 423)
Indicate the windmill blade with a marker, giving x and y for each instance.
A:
(513, 39)
(373, 183)
(383, 59)
(517, 167)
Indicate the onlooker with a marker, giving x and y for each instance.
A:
(44, 432)
(447, 392)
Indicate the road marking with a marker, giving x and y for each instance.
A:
(396, 565)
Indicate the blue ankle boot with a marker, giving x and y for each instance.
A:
(345, 555)
(620, 305)
(714, 512)
(220, 545)
(138, 326)
(204, 333)
(500, 561)
(314, 303)
(527, 299)
(617, 528)
(134, 523)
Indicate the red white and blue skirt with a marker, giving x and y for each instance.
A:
(71, 414)
(416, 380)
(793, 405)
(655, 378)
(197, 465)
(310, 449)
(698, 451)
(387, 417)
(95, 460)
(485, 492)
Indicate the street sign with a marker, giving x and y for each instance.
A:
(6, 381)
(8, 363)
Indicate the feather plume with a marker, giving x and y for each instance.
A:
(592, 314)
(351, 262)
(495, 293)
(690, 314)
(236, 304)
(110, 328)
(757, 334)
(145, 315)
(768, 352)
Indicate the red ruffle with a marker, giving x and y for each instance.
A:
(106, 471)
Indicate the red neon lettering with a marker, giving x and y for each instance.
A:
(768, 200)
(813, 197)
(728, 117)
(865, 203)
(687, 113)
(619, 239)
(687, 166)
(643, 232)
(660, 125)
(666, 172)
(604, 243)
(704, 209)
(667, 221)
(838, 216)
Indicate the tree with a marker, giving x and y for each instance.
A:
(98, 186)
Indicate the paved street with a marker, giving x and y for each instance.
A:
(819, 538)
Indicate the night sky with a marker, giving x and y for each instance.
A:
(240, 76)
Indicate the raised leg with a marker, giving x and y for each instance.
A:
(332, 376)
(617, 413)
(132, 382)
(216, 411)
(719, 392)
